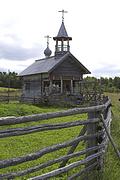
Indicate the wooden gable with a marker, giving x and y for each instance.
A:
(69, 67)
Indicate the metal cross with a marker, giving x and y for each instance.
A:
(48, 37)
(63, 11)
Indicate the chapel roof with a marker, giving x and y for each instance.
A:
(49, 64)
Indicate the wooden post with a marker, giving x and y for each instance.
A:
(51, 86)
(68, 47)
(61, 85)
(80, 87)
(71, 86)
(62, 45)
(91, 129)
(41, 84)
(8, 86)
(56, 46)
(34, 100)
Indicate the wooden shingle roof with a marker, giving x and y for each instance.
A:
(47, 65)
(62, 33)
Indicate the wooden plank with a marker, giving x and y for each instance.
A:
(48, 163)
(44, 127)
(38, 117)
(73, 147)
(61, 79)
(110, 137)
(67, 168)
(83, 171)
(40, 153)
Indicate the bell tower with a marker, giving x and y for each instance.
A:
(62, 39)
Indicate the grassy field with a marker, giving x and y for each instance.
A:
(12, 91)
(112, 163)
(21, 145)
(3, 89)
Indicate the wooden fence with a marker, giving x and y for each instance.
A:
(93, 134)
(64, 99)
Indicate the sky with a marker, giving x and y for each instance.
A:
(94, 26)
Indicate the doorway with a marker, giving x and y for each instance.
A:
(66, 86)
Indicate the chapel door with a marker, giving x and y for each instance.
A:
(46, 87)
(66, 86)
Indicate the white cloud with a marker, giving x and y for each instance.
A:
(15, 51)
(17, 66)
(94, 26)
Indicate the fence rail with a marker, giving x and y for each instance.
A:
(92, 133)
(70, 99)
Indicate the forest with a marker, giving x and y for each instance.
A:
(11, 79)
(106, 84)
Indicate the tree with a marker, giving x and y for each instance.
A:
(10, 79)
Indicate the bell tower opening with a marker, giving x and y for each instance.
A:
(62, 39)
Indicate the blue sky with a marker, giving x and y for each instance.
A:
(93, 24)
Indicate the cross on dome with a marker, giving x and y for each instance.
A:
(47, 51)
(62, 39)
(63, 12)
(48, 37)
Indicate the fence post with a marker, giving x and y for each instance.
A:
(91, 129)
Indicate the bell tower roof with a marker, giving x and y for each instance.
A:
(62, 34)
(62, 39)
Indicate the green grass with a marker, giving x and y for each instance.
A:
(3, 89)
(12, 91)
(22, 145)
(112, 163)
(17, 109)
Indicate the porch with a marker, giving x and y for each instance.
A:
(62, 86)
(72, 92)
(62, 91)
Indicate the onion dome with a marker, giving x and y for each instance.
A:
(47, 52)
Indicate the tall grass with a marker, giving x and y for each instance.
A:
(112, 163)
